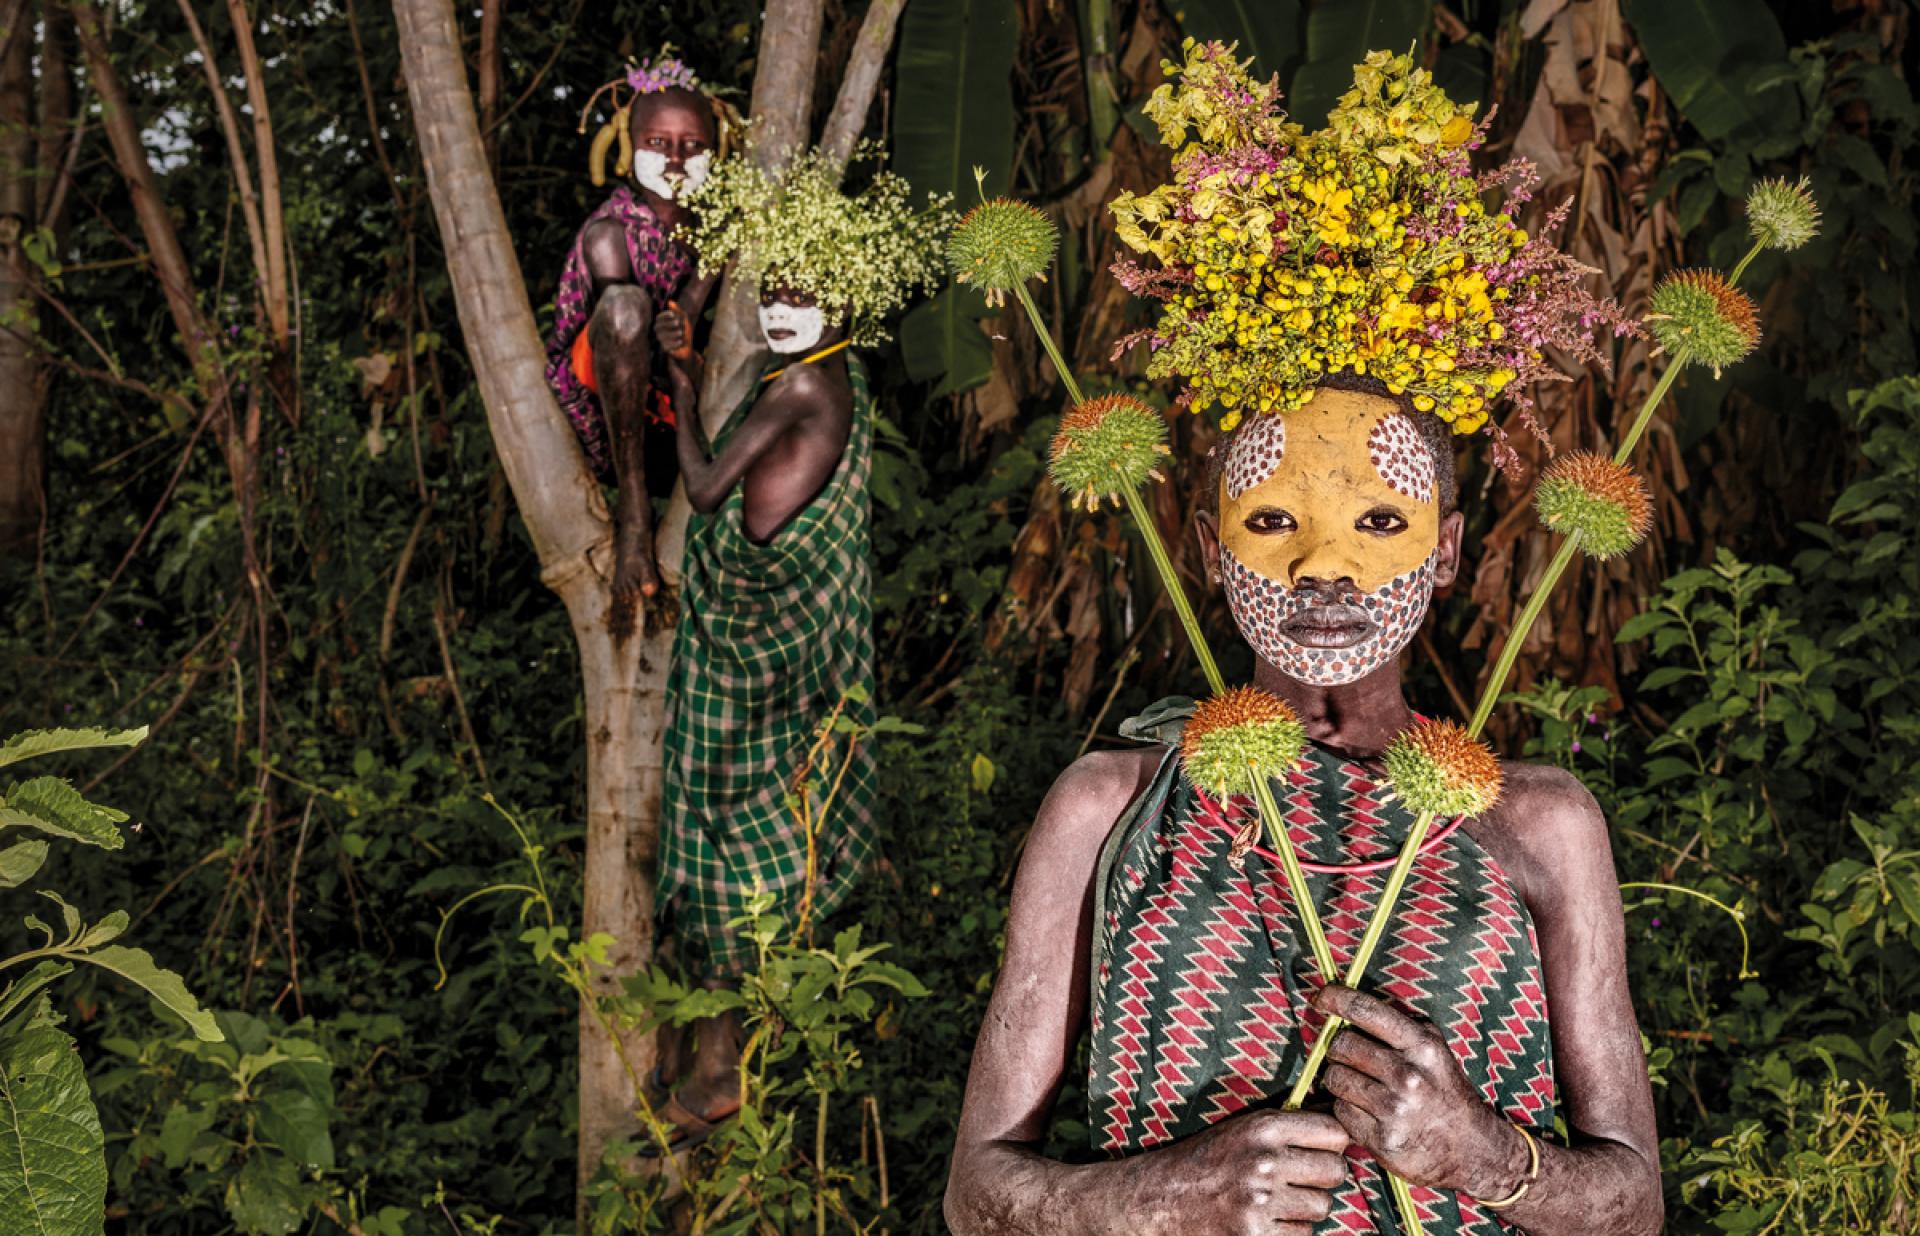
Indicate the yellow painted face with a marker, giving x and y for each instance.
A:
(1343, 488)
(1329, 532)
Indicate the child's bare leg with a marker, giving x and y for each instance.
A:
(621, 335)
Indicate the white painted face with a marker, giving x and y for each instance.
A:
(1329, 536)
(790, 328)
(650, 172)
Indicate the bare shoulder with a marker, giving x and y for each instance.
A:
(1547, 830)
(810, 390)
(1086, 799)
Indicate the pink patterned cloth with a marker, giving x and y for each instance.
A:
(660, 265)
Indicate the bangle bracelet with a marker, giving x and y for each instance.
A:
(1533, 1174)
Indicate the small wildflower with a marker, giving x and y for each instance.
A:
(1699, 318)
(1106, 447)
(1239, 734)
(1001, 244)
(663, 72)
(1605, 502)
(1435, 766)
(1782, 215)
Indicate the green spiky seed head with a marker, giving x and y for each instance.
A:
(1783, 215)
(1241, 733)
(1605, 502)
(1001, 244)
(1700, 319)
(1437, 767)
(1106, 447)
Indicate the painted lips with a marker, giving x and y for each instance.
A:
(1328, 626)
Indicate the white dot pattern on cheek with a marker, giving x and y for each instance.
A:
(1261, 605)
(1401, 457)
(1256, 453)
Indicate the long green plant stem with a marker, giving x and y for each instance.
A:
(1296, 877)
(1136, 507)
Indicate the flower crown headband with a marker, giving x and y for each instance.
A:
(859, 255)
(1285, 256)
(655, 75)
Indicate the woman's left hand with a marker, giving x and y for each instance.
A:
(1401, 1094)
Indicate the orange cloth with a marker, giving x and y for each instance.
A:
(581, 358)
(583, 362)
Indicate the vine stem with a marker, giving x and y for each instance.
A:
(1362, 956)
(1739, 919)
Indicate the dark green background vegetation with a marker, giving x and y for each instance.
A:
(1764, 749)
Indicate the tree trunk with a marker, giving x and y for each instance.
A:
(22, 389)
(561, 504)
(566, 516)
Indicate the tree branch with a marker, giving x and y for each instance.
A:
(557, 496)
(862, 79)
(163, 242)
(274, 273)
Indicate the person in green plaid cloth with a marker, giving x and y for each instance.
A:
(776, 623)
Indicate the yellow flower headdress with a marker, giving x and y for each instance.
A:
(1286, 256)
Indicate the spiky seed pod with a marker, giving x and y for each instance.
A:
(1241, 733)
(1435, 766)
(1783, 215)
(1605, 502)
(1106, 447)
(1000, 245)
(1697, 317)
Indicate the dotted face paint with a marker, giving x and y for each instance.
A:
(1329, 534)
(1262, 607)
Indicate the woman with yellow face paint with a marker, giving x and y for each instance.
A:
(1492, 1065)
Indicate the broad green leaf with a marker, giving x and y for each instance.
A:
(1904, 880)
(983, 773)
(45, 742)
(52, 805)
(181, 1127)
(1340, 33)
(107, 929)
(20, 861)
(266, 1198)
(941, 342)
(1704, 52)
(296, 1122)
(953, 112)
(53, 1166)
(20, 989)
(137, 966)
(1268, 30)
(1641, 625)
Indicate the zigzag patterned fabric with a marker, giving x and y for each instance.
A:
(1200, 982)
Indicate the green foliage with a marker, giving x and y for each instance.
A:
(1339, 36)
(953, 112)
(241, 1126)
(53, 1171)
(55, 1180)
(1774, 766)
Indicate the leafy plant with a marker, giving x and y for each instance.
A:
(53, 1171)
(242, 1124)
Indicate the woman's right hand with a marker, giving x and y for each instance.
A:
(1265, 1171)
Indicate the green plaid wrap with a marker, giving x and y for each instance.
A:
(770, 638)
